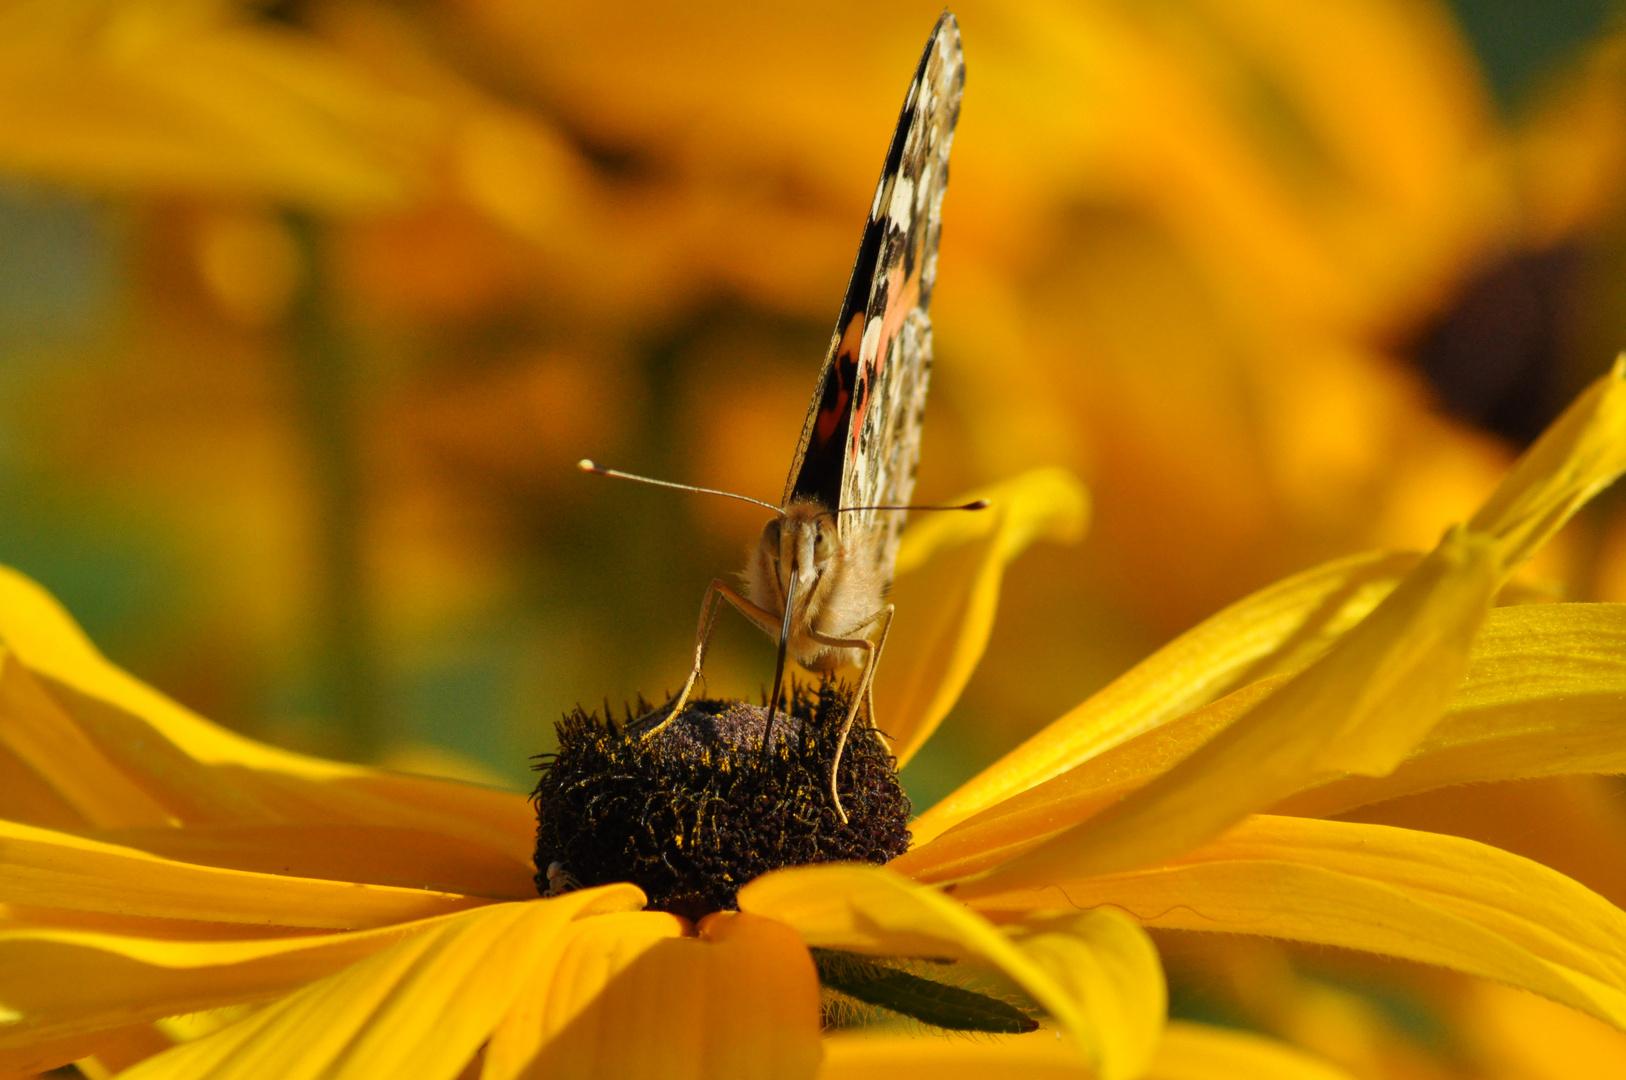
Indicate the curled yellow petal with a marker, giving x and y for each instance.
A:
(1421, 896)
(74, 781)
(632, 996)
(1360, 708)
(200, 773)
(949, 571)
(1545, 695)
(420, 1008)
(1096, 974)
(1579, 454)
(1277, 629)
(1023, 821)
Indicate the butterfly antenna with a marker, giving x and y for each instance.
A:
(978, 504)
(593, 467)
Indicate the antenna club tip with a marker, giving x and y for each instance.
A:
(586, 465)
(980, 504)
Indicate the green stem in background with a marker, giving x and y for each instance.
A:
(327, 406)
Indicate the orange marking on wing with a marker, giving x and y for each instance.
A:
(902, 298)
(829, 419)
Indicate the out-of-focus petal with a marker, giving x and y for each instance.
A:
(949, 570)
(1199, 1052)
(42, 868)
(421, 1007)
(1112, 1005)
(1186, 1052)
(631, 995)
(1279, 628)
(1545, 695)
(1359, 708)
(193, 96)
(1041, 1055)
(1523, 1034)
(1400, 892)
(101, 982)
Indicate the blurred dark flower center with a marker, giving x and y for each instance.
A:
(1496, 356)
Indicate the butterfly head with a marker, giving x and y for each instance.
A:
(803, 539)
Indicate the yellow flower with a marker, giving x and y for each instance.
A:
(156, 865)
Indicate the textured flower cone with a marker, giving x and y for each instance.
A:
(364, 924)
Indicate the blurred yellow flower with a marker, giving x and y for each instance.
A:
(157, 865)
(198, 96)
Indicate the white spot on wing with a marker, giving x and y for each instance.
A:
(871, 343)
(902, 208)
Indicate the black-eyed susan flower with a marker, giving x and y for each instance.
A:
(354, 923)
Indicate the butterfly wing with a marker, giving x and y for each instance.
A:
(861, 440)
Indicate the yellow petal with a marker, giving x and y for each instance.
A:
(1422, 896)
(949, 570)
(1276, 629)
(50, 643)
(1360, 708)
(101, 982)
(201, 773)
(1021, 822)
(1543, 697)
(370, 854)
(420, 1008)
(1112, 1004)
(631, 997)
(1094, 958)
(76, 783)
(1200, 1052)
(1578, 455)
(51, 869)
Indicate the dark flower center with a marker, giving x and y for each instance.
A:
(1497, 356)
(696, 810)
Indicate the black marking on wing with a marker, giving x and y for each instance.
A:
(821, 459)
(826, 455)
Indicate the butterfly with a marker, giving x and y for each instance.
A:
(818, 578)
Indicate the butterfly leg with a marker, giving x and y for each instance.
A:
(864, 695)
(717, 591)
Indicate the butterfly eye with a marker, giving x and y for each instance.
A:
(770, 533)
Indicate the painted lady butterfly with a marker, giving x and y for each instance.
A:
(818, 578)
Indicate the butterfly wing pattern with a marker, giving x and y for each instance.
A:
(861, 440)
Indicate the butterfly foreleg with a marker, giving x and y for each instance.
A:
(717, 591)
(864, 695)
